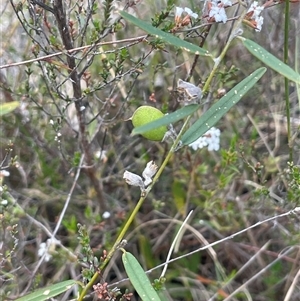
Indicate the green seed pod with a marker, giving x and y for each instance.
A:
(146, 114)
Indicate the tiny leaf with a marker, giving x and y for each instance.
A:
(49, 291)
(138, 278)
(166, 37)
(220, 108)
(271, 61)
(167, 119)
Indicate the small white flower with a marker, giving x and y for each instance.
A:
(133, 179)
(211, 140)
(58, 134)
(259, 23)
(4, 173)
(253, 14)
(42, 250)
(106, 215)
(1, 188)
(51, 122)
(191, 13)
(199, 143)
(47, 248)
(136, 180)
(179, 12)
(82, 108)
(256, 9)
(4, 202)
(101, 155)
(218, 13)
(149, 172)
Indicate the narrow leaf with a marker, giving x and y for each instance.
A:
(7, 107)
(167, 119)
(179, 197)
(138, 278)
(220, 108)
(49, 291)
(271, 61)
(166, 37)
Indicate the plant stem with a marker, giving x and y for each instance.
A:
(286, 81)
(235, 32)
(134, 212)
(116, 245)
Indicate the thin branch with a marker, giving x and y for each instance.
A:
(63, 27)
(70, 51)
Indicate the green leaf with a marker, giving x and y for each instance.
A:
(271, 61)
(7, 107)
(220, 108)
(166, 37)
(138, 278)
(49, 291)
(179, 196)
(167, 119)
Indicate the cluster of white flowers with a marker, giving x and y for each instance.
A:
(57, 137)
(47, 248)
(135, 180)
(217, 10)
(211, 140)
(254, 12)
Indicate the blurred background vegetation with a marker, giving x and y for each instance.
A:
(42, 142)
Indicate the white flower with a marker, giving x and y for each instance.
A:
(253, 14)
(199, 143)
(136, 180)
(179, 12)
(218, 13)
(101, 155)
(259, 23)
(47, 248)
(149, 172)
(4, 173)
(256, 9)
(44, 250)
(51, 122)
(106, 215)
(133, 179)
(191, 13)
(4, 202)
(211, 140)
